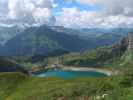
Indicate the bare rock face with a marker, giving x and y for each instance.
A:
(130, 41)
(125, 44)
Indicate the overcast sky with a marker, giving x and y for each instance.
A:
(68, 13)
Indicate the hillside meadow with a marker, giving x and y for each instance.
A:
(17, 86)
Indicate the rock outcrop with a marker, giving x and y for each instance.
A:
(130, 41)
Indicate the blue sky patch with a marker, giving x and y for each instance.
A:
(83, 7)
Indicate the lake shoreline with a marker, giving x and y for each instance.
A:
(104, 71)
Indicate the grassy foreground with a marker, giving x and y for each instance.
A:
(16, 86)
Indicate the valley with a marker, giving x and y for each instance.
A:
(63, 66)
(66, 49)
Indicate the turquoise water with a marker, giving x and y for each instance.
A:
(69, 74)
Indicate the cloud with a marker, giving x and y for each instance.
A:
(112, 7)
(26, 11)
(114, 13)
(73, 17)
(3, 7)
(84, 1)
(117, 7)
(42, 15)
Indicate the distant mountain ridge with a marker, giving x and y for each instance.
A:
(6, 33)
(46, 39)
(42, 40)
(98, 36)
(119, 54)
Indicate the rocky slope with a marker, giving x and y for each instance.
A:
(118, 54)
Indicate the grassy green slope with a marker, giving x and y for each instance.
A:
(15, 86)
(96, 58)
(8, 83)
(114, 55)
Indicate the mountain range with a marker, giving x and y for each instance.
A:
(117, 55)
(6, 33)
(46, 39)
(42, 40)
